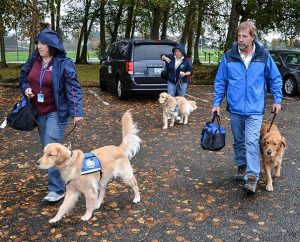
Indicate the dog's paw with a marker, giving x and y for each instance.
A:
(54, 220)
(269, 188)
(86, 217)
(136, 200)
(171, 125)
(181, 121)
(165, 127)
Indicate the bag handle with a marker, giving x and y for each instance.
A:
(216, 115)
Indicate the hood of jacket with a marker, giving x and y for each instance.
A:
(180, 47)
(51, 38)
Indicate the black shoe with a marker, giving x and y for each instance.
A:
(239, 176)
(251, 184)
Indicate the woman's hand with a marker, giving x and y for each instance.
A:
(29, 93)
(166, 59)
(182, 74)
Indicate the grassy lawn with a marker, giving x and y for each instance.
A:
(88, 75)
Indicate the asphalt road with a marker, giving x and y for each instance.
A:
(187, 194)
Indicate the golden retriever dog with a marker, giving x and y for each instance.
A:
(114, 162)
(273, 146)
(175, 106)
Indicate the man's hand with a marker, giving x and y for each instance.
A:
(276, 108)
(215, 109)
(77, 120)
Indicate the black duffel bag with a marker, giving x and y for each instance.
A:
(213, 135)
(22, 116)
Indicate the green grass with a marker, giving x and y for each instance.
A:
(88, 75)
(23, 56)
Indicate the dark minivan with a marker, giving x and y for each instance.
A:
(134, 65)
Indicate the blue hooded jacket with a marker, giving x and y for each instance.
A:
(246, 89)
(186, 65)
(65, 86)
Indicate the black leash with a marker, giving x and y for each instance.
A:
(274, 116)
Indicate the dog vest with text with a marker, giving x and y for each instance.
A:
(90, 164)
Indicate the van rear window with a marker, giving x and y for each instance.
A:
(151, 52)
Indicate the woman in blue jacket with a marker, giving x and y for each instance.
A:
(178, 68)
(50, 79)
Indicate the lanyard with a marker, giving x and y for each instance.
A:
(43, 70)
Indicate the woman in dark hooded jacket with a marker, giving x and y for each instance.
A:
(178, 68)
(50, 78)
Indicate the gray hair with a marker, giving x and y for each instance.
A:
(247, 26)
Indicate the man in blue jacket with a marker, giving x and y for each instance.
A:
(243, 76)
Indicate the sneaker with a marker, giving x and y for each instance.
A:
(251, 184)
(53, 197)
(239, 176)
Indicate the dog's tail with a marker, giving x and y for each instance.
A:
(130, 140)
(193, 105)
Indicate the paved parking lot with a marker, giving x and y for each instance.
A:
(188, 194)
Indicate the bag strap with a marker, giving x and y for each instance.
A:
(216, 115)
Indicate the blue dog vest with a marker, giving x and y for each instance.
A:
(90, 164)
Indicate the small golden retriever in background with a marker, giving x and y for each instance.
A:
(114, 162)
(175, 106)
(273, 146)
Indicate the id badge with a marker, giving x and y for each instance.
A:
(40, 97)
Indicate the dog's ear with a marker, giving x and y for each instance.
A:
(62, 156)
(283, 143)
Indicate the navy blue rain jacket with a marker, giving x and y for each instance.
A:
(245, 89)
(66, 88)
(186, 65)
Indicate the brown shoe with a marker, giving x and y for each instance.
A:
(239, 176)
(251, 184)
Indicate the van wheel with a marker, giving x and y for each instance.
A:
(289, 86)
(103, 85)
(122, 94)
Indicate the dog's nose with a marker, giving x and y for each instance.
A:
(38, 162)
(269, 152)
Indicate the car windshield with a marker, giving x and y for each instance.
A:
(151, 51)
(292, 58)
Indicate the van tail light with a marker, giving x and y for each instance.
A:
(129, 67)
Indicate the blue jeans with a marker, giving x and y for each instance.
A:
(52, 131)
(178, 90)
(246, 133)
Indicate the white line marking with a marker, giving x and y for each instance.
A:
(98, 97)
(203, 100)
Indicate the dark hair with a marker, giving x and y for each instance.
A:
(52, 50)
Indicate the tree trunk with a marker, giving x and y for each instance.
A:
(79, 46)
(52, 14)
(117, 23)
(102, 28)
(58, 30)
(129, 18)
(189, 52)
(198, 33)
(233, 23)
(154, 33)
(188, 20)
(165, 20)
(33, 30)
(2, 44)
